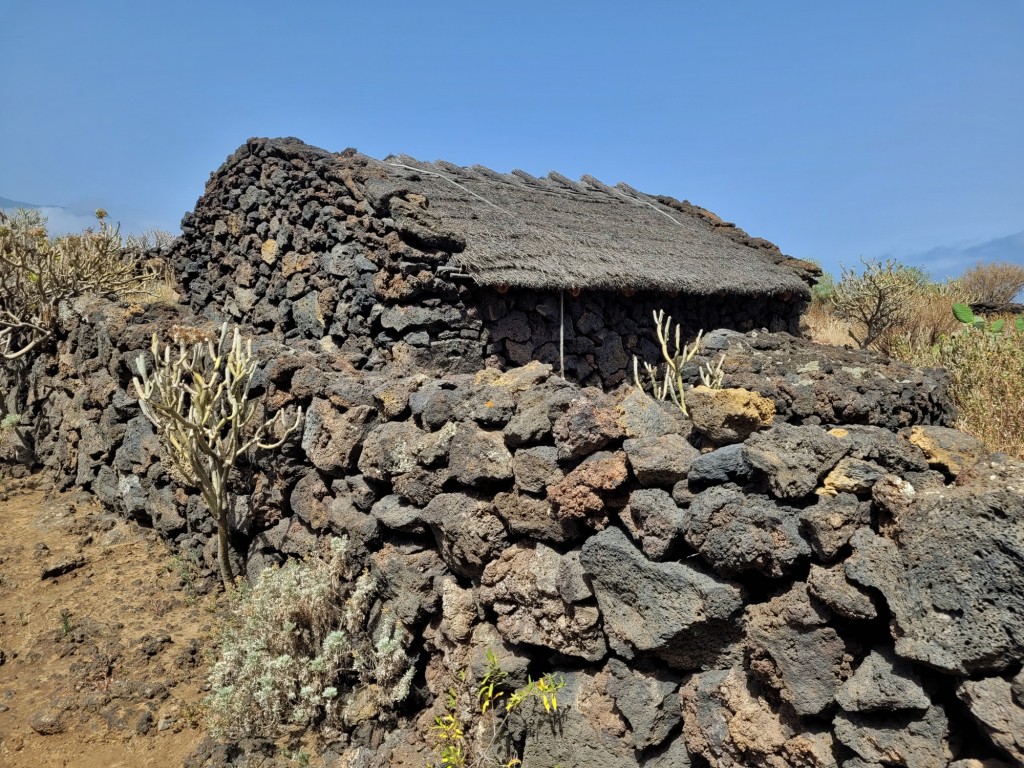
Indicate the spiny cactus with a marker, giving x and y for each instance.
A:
(198, 399)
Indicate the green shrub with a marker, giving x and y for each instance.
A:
(307, 645)
(823, 291)
(877, 300)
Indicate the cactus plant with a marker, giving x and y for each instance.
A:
(198, 399)
(670, 385)
(965, 315)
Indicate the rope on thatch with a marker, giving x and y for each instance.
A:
(652, 206)
(455, 183)
(494, 205)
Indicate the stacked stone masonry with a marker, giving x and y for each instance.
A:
(839, 586)
(286, 240)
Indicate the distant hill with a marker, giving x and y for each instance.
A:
(6, 202)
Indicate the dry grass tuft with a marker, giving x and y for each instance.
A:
(929, 319)
(987, 372)
(825, 328)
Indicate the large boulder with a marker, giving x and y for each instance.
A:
(390, 449)
(581, 494)
(647, 699)
(541, 598)
(949, 450)
(851, 475)
(527, 515)
(589, 424)
(537, 409)
(793, 459)
(676, 611)
(660, 461)
(909, 739)
(468, 532)
(992, 704)
(950, 570)
(641, 416)
(536, 468)
(728, 723)
(479, 457)
(844, 598)
(654, 521)
(725, 465)
(410, 575)
(736, 532)
(728, 415)
(881, 446)
(829, 524)
(585, 732)
(883, 682)
(793, 650)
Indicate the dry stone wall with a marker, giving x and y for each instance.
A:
(838, 587)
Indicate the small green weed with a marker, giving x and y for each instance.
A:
(489, 745)
(65, 622)
(300, 758)
(186, 572)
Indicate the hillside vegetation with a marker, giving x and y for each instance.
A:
(900, 311)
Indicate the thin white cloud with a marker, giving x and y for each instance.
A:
(952, 260)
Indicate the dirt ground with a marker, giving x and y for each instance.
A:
(103, 641)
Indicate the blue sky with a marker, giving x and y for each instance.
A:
(836, 130)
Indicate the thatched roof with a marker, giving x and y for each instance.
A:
(553, 232)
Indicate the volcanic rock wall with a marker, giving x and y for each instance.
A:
(285, 239)
(602, 331)
(841, 587)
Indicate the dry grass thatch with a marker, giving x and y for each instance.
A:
(557, 233)
(552, 232)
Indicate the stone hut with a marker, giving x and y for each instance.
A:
(437, 267)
